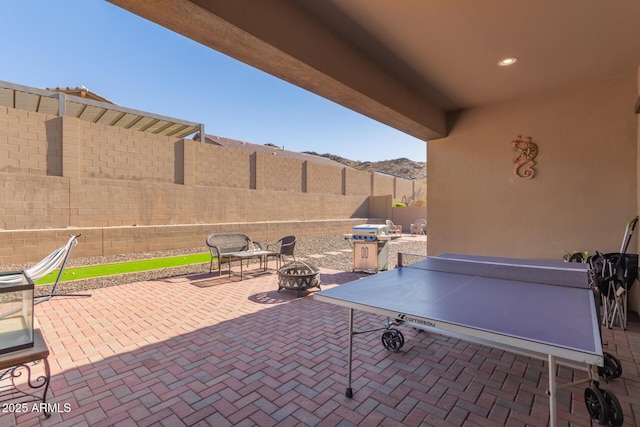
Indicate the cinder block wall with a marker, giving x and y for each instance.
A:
(383, 184)
(324, 179)
(128, 191)
(278, 173)
(30, 143)
(405, 189)
(107, 152)
(214, 165)
(357, 182)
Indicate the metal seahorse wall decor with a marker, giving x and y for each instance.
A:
(525, 160)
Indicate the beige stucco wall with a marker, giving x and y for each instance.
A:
(584, 191)
(634, 294)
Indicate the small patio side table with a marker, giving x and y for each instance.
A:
(14, 365)
(261, 254)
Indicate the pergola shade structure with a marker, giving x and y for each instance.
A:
(60, 104)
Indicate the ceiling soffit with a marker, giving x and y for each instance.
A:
(407, 64)
(283, 39)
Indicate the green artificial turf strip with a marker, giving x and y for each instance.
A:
(91, 271)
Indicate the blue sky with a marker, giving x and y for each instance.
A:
(140, 65)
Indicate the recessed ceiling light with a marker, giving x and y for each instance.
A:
(507, 61)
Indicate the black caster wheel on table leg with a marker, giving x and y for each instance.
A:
(616, 418)
(596, 405)
(392, 340)
(612, 368)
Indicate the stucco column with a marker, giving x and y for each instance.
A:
(634, 293)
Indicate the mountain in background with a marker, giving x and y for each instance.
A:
(402, 167)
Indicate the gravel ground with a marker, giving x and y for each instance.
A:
(331, 252)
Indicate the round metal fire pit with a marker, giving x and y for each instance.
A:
(298, 276)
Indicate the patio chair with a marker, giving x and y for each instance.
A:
(419, 227)
(393, 229)
(283, 247)
(55, 259)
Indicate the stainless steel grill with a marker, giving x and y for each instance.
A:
(370, 247)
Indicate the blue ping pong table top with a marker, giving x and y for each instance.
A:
(522, 314)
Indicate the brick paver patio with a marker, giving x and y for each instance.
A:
(207, 350)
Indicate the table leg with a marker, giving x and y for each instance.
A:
(349, 392)
(32, 381)
(47, 371)
(552, 392)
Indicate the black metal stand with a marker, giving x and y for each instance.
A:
(14, 391)
(53, 293)
(18, 381)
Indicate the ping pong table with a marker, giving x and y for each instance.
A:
(540, 309)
